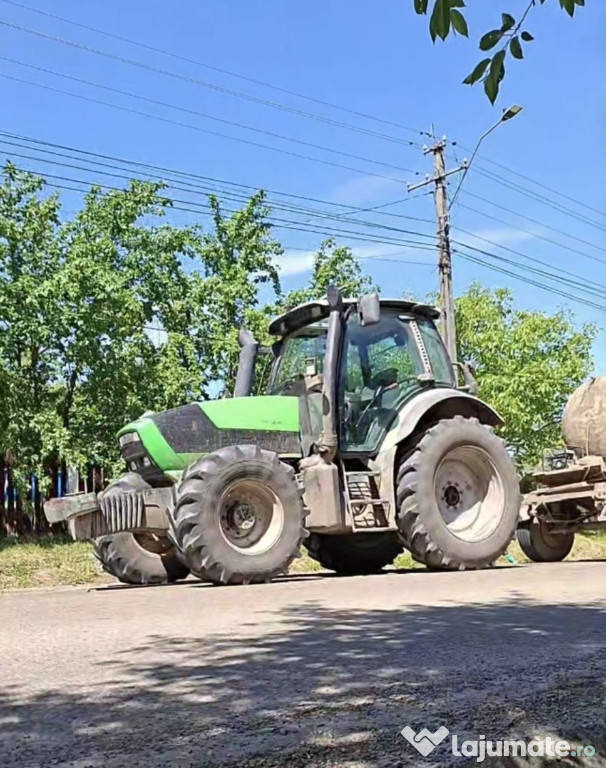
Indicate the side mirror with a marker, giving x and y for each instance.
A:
(470, 385)
(369, 309)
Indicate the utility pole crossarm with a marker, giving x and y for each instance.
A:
(432, 179)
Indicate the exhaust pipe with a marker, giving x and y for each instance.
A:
(246, 364)
(328, 439)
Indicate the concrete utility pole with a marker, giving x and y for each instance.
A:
(445, 263)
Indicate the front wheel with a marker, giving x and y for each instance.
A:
(239, 516)
(458, 496)
(140, 557)
(542, 546)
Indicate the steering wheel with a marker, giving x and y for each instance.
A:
(383, 382)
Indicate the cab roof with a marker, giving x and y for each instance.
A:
(314, 311)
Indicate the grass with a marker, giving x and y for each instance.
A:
(50, 561)
(46, 561)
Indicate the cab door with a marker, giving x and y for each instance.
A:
(381, 366)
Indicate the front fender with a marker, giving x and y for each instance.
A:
(445, 403)
(433, 404)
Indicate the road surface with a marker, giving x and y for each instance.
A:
(308, 671)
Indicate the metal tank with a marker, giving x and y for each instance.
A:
(584, 422)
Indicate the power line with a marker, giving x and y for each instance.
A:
(527, 280)
(572, 280)
(290, 209)
(537, 183)
(214, 68)
(197, 81)
(195, 112)
(533, 234)
(198, 177)
(280, 223)
(198, 128)
(540, 199)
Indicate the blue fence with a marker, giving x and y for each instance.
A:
(23, 512)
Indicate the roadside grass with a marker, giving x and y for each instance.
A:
(46, 561)
(50, 561)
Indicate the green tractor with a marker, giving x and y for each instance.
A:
(362, 446)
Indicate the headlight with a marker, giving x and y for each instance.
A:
(129, 437)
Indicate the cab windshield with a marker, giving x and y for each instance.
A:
(296, 354)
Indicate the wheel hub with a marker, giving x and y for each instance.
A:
(251, 516)
(243, 516)
(452, 495)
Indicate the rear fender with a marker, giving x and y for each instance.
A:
(426, 408)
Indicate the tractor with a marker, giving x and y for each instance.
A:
(363, 445)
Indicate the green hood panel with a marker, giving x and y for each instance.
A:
(269, 413)
(175, 438)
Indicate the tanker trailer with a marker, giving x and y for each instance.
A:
(571, 488)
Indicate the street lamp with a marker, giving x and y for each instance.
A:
(508, 114)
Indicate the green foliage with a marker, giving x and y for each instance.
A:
(527, 365)
(332, 264)
(116, 312)
(446, 16)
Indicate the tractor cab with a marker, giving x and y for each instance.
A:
(379, 365)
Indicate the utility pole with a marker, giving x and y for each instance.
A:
(445, 262)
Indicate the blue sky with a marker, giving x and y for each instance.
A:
(375, 59)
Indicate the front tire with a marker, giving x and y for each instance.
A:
(354, 554)
(541, 546)
(239, 517)
(458, 496)
(138, 558)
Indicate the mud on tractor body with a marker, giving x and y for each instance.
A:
(362, 447)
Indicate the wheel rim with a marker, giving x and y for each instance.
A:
(542, 535)
(251, 516)
(469, 493)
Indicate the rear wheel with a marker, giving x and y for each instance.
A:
(542, 546)
(138, 558)
(458, 496)
(239, 517)
(354, 554)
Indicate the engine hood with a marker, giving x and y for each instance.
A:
(174, 438)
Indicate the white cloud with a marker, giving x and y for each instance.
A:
(496, 236)
(366, 190)
(295, 262)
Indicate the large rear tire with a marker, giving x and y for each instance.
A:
(138, 558)
(458, 496)
(541, 546)
(239, 517)
(354, 554)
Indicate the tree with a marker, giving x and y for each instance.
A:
(76, 299)
(237, 259)
(527, 365)
(114, 313)
(447, 16)
(333, 264)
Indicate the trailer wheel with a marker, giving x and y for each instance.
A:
(138, 558)
(458, 496)
(354, 554)
(541, 546)
(239, 516)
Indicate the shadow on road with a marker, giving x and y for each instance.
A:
(330, 688)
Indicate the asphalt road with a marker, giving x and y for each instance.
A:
(309, 671)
